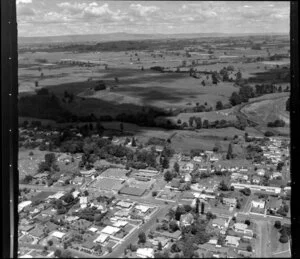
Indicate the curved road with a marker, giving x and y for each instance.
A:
(257, 123)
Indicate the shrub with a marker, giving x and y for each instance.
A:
(277, 224)
(283, 239)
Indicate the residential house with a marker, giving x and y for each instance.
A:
(81, 224)
(124, 204)
(245, 253)
(102, 238)
(232, 241)
(230, 202)
(25, 228)
(188, 167)
(220, 223)
(175, 235)
(65, 178)
(88, 173)
(185, 157)
(276, 175)
(123, 213)
(242, 228)
(51, 226)
(145, 252)
(83, 201)
(239, 176)
(175, 183)
(56, 196)
(49, 212)
(261, 172)
(159, 239)
(256, 179)
(71, 218)
(142, 208)
(22, 205)
(257, 203)
(197, 159)
(57, 234)
(159, 148)
(186, 219)
(41, 176)
(213, 159)
(187, 177)
(37, 232)
(274, 204)
(110, 230)
(77, 180)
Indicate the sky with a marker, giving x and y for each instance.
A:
(65, 17)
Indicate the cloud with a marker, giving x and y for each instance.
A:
(143, 10)
(93, 16)
(24, 2)
(25, 11)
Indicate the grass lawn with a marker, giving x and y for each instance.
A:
(41, 196)
(276, 246)
(28, 166)
(107, 184)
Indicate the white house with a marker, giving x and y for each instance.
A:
(101, 238)
(232, 241)
(230, 202)
(109, 230)
(22, 205)
(220, 223)
(258, 204)
(145, 252)
(58, 234)
(242, 228)
(83, 202)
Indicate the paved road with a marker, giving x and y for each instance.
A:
(134, 236)
(263, 248)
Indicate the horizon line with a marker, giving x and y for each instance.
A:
(136, 33)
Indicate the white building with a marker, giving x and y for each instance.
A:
(101, 238)
(58, 234)
(253, 187)
(22, 205)
(232, 241)
(242, 228)
(109, 230)
(145, 252)
(258, 204)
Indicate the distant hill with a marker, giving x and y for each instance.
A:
(117, 37)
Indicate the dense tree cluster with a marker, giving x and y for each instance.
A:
(242, 96)
(276, 123)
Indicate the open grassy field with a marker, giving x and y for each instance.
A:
(268, 110)
(278, 249)
(205, 139)
(28, 166)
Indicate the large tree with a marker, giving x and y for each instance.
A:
(142, 237)
(229, 152)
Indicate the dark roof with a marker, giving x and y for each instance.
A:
(132, 191)
(174, 235)
(175, 183)
(274, 203)
(37, 231)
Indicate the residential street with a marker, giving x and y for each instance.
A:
(134, 236)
